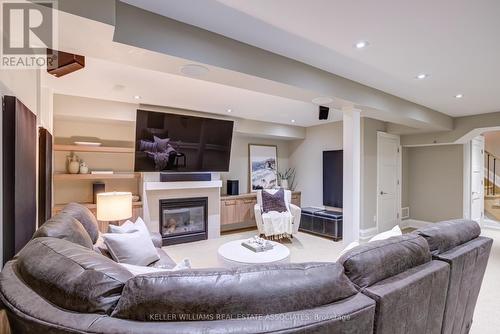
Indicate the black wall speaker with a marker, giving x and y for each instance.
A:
(19, 176)
(323, 112)
(98, 188)
(233, 187)
(44, 176)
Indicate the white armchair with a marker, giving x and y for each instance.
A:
(294, 210)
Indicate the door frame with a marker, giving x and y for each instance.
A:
(467, 189)
(380, 136)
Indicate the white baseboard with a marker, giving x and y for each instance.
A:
(366, 234)
(487, 223)
(413, 223)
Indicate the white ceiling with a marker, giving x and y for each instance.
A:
(454, 41)
(107, 80)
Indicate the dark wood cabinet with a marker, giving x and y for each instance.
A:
(19, 143)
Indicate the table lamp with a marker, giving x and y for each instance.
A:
(114, 206)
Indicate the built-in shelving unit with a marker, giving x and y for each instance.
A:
(103, 149)
(75, 177)
(92, 206)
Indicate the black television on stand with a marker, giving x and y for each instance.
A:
(167, 142)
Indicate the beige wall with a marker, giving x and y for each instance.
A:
(434, 182)
(113, 124)
(369, 129)
(464, 129)
(307, 157)
(238, 167)
(492, 142)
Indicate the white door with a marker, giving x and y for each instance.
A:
(388, 181)
(477, 179)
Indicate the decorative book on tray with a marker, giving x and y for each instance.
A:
(257, 244)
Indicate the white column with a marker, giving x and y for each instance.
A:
(352, 174)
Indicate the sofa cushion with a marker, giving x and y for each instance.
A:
(133, 248)
(394, 232)
(85, 217)
(71, 276)
(64, 226)
(372, 262)
(273, 201)
(165, 261)
(413, 301)
(467, 266)
(446, 235)
(257, 290)
(129, 226)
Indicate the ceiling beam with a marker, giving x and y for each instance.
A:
(143, 29)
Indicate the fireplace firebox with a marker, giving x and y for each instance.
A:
(183, 220)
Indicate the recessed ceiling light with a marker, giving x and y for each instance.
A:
(361, 44)
(459, 96)
(194, 70)
(293, 121)
(137, 97)
(422, 76)
(322, 100)
(229, 110)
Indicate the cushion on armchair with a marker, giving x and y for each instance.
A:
(274, 202)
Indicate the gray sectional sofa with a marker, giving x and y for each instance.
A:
(425, 282)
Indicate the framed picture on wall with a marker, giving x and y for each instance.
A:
(263, 165)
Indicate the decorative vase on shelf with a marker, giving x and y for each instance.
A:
(284, 184)
(84, 169)
(73, 164)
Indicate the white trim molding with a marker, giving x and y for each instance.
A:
(491, 224)
(413, 223)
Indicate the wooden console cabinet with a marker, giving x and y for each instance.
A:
(237, 212)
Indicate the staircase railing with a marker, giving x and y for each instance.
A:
(491, 188)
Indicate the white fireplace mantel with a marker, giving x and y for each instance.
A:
(153, 191)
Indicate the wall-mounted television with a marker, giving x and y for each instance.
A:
(333, 178)
(180, 143)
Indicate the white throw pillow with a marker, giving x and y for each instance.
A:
(129, 226)
(396, 231)
(349, 247)
(133, 248)
(141, 270)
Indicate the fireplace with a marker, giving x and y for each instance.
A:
(183, 220)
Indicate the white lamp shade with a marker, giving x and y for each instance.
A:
(114, 206)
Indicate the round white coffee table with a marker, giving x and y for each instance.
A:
(233, 253)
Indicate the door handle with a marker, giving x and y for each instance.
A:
(383, 193)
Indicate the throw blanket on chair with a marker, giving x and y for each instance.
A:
(277, 225)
